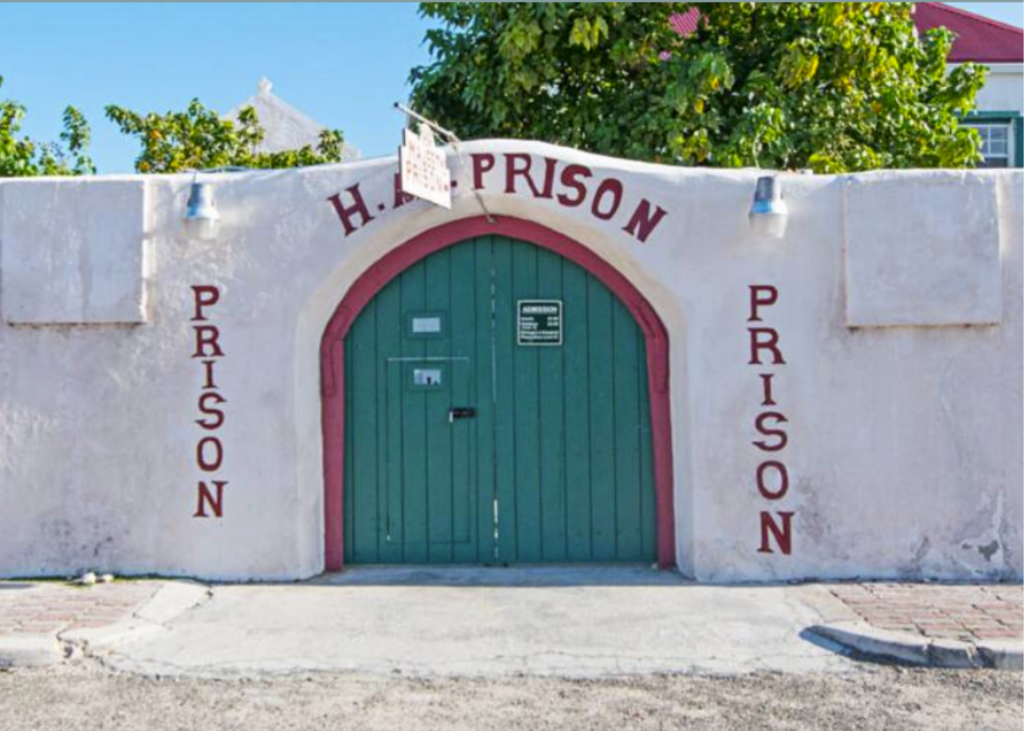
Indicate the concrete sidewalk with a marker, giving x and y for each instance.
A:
(34, 615)
(570, 622)
(939, 625)
(47, 622)
(580, 621)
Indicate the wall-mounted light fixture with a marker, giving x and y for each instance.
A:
(202, 219)
(769, 213)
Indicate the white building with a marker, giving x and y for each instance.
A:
(1000, 48)
(286, 127)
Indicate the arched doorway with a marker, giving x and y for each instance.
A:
(495, 393)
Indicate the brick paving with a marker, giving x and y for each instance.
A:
(941, 611)
(49, 607)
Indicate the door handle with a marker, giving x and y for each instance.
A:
(460, 412)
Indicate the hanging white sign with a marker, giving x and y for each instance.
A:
(423, 168)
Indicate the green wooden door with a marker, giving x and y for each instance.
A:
(497, 412)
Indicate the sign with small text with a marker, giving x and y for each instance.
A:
(539, 322)
(423, 168)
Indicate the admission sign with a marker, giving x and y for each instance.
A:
(540, 322)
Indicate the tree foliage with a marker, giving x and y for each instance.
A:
(198, 138)
(829, 86)
(21, 156)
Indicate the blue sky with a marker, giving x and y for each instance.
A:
(343, 64)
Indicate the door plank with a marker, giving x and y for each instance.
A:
(577, 415)
(602, 422)
(439, 434)
(627, 436)
(483, 382)
(551, 417)
(389, 447)
(364, 376)
(350, 485)
(462, 329)
(526, 405)
(504, 413)
(648, 508)
(414, 426)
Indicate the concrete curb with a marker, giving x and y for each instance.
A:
(37, 650)
(1002, 654)
(31, 651)
(170, 600)
(861, 637)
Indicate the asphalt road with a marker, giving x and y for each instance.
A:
(87, 696)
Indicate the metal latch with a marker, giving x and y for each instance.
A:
(460, 412)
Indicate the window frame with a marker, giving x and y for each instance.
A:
(1014, 124)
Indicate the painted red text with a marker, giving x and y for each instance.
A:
(570, 185)
(209, 448)
(771, 476)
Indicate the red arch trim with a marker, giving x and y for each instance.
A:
(332, 361)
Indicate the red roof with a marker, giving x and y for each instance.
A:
(977, 38)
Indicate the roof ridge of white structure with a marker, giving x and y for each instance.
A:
(287, 128)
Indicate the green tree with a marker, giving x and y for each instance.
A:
(829, 86)
(20, 156)
(198, 138)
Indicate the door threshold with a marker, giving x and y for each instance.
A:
(516, 575)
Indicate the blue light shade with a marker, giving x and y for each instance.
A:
(202, 218)
(769, 213)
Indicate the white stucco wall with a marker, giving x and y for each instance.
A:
(1004, 89)
(905, 440)
(64, 262)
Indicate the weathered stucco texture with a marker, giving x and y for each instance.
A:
(63, 262)
(904, 449)
(931, 270)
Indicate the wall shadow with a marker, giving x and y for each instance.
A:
(523, 575)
